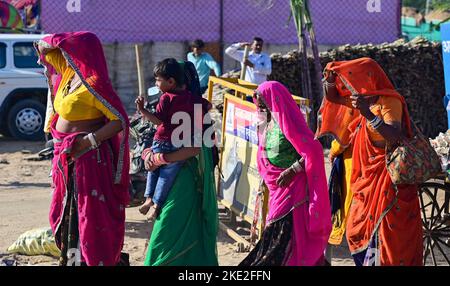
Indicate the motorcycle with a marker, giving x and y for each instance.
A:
(142, 132)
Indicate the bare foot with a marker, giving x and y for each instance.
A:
(153, 214)
(146, 206)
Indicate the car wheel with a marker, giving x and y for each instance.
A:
(26, 120)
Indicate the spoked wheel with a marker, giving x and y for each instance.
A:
(434, 204)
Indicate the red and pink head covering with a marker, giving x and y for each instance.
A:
(84, 53)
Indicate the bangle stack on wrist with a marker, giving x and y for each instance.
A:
(329, 84)
(159, 159)
(376, 122)
(92, 139)
(297, 166)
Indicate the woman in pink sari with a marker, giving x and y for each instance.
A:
(291, 164)
(90, 168)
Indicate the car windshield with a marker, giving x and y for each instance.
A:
(25, 56)
(2, 55)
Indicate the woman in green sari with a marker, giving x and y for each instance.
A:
(185, 232)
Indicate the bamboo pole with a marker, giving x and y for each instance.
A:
(244, 59)
(140, 70)
(234, 235)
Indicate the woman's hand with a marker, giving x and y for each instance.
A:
(148, 163)
(331, 157)
(330, 76)
(362, 104)
(81, 143)
(43, 50)
(286, 177)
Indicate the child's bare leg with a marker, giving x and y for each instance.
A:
(145, 207)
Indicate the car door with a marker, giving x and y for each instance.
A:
(5, 72)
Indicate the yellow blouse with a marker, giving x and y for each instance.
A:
(80, 104)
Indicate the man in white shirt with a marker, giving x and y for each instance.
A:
(258, 64)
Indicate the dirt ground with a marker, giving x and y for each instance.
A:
(25, 195)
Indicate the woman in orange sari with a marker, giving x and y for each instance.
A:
(363, 109)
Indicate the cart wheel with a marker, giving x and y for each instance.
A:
(434, 204)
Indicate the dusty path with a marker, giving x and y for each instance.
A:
(25, 195)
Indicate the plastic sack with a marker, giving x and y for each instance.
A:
(36, 242)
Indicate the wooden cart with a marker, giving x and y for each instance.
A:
(434, 198)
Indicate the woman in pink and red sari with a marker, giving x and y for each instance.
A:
(90, 168)
(291, 163)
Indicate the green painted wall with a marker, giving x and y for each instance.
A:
(410, 29)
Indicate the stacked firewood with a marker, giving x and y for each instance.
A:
(441, 145)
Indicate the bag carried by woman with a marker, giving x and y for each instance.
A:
(413, 160)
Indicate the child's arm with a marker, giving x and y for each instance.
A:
(140, 103)
(150, 117)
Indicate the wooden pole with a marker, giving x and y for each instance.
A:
(244, 59)
(140, 70)
(234, 235)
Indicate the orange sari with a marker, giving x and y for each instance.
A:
(384, 225)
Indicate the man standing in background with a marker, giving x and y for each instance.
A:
(258, 64)
(203, 62)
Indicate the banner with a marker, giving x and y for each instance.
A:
(29, 11)
(240, 182)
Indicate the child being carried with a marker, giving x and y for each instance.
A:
(170, 79)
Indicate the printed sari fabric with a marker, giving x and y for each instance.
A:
(384, 225)
(340, 211)
(274, 246)
(87, 211)
(306, 197)
(184, 234)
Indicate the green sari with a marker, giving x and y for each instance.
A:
(185, 232)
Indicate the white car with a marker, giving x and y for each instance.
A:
(23, 88)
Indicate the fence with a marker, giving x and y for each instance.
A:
(336, 21)
(222, 22)
(166, 27)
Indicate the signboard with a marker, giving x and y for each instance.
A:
(29, 12)
(239, 184)
(445, 29)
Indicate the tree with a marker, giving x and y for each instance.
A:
(441, 5)
(418, 4)
(300, 12)
(421, 4)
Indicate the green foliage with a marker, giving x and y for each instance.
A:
(418, 4)
(443, 5)
(421, 4)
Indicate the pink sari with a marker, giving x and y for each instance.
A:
(307, 194)
(96, 183)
